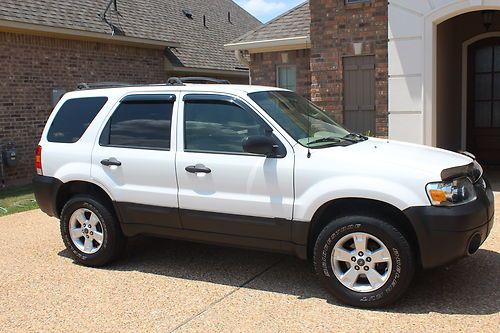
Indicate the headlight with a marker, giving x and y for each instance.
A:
(450, 193)
(477, 172)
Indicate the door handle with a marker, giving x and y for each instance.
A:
(111, 161)
(198, 168)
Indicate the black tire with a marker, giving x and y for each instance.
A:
(403, 261)
(114, 241)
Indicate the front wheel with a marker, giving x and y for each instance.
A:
(364, 261)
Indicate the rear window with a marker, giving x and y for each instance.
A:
(73, 119)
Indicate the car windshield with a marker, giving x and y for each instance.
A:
(302, 120)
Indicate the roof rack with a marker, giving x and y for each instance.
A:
(102, 85)
(172, 81)
(175, 81)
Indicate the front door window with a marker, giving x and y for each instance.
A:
(217, 126)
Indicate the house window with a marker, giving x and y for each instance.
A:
(348, 2)
(287, 77)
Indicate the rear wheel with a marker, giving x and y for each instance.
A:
(90, 231)
(364, 261)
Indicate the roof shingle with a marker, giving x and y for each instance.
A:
(160, 20)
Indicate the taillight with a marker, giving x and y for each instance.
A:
(38, 160)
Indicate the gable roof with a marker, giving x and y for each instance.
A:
(159, 22)
(291, 26)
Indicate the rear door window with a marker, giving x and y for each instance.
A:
(73, 119)
(142, 122)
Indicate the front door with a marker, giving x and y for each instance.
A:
(222, 189)
(483, 116)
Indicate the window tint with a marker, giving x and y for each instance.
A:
(141, 124)
(218, 127)
(73, 118)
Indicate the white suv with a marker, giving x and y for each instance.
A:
(256, 167)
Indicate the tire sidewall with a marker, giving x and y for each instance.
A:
(402, 262)
(107, 222)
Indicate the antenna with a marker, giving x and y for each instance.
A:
(308, 134)
(114, 29)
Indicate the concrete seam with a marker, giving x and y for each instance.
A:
(208, 307)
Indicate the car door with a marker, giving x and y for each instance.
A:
(222, 189)
(134, 159)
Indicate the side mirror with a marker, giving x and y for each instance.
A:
(259, 144)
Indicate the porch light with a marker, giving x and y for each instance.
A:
(488, 18)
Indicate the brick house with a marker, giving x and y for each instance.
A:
(423, 71)
(48, 47)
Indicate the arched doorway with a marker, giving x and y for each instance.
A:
(426, 73)
(483, 100)
(467, 85)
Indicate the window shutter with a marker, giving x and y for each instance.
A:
(359, 93)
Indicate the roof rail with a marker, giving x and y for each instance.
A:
(102, 85)
(175, 81)
(172, 81)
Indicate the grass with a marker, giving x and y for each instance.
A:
(16, 199)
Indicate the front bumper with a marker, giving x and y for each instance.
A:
(45, 189)
(445, 233)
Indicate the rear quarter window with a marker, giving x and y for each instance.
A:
(73, 119)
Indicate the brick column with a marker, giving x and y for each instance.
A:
(335, 27)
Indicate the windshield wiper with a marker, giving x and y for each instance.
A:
(356, 136)
(331, 139)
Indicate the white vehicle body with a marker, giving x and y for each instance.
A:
(389, 171)
(291, 189)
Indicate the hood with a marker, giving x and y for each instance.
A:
(401, 155)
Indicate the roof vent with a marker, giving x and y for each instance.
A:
(188, 13)
(229, 17)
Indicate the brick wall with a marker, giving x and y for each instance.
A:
(335, 26)
(31, 66)
(263, 68)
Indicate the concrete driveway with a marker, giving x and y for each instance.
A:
(165, 286)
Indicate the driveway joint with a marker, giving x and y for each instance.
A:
(214, 303)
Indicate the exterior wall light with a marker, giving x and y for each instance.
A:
(488, 18)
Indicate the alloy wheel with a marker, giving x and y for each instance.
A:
(86, 231)
(361, 262)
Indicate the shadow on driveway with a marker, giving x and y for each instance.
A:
(468, 287)
(493, 176)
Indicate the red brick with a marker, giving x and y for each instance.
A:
(263, 69)
(335, 26)
(31, 66)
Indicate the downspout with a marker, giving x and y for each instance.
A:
(242, 59)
